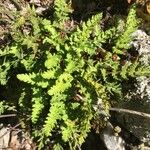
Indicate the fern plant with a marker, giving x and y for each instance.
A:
(68, 71)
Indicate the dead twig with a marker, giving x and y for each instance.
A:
(145, 115)
(10, 129)
(9, 115)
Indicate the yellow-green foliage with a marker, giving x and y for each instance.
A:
(124, 40)
(65, 74)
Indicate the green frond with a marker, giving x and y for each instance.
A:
(64, 73)
(49, 74)
(132, 69)
(52, 61)
(57, 147)
(124, 70)
(62, 10)
(123, 42)
(55, 114)
(27, 78)
(36, 108)
(113, 88)
(2, 107)
(63, 83)
(142, 71)
(81, 39)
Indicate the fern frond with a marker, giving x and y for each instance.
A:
(27, 78)
(114, 88)
(143, 71)
(132, 69)
(36, 108)
(49, 74)
(55, 114)
(81, 38)
(52, 61)
(62, 10)
(123, 42)
(62, 84)
(2, 107)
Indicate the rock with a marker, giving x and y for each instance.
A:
(111, 140)
(138, 98)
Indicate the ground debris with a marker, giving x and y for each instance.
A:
(15, 139)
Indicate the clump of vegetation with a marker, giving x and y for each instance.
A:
(63, 70)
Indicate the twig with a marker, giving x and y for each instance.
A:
(79, 147)
(10, 129)
(9, 115)
(145, 115)
(80, 97)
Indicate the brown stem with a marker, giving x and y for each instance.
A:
(9, 115)
(145, 115)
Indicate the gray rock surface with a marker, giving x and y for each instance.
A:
(138, 98)
(111, 140)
